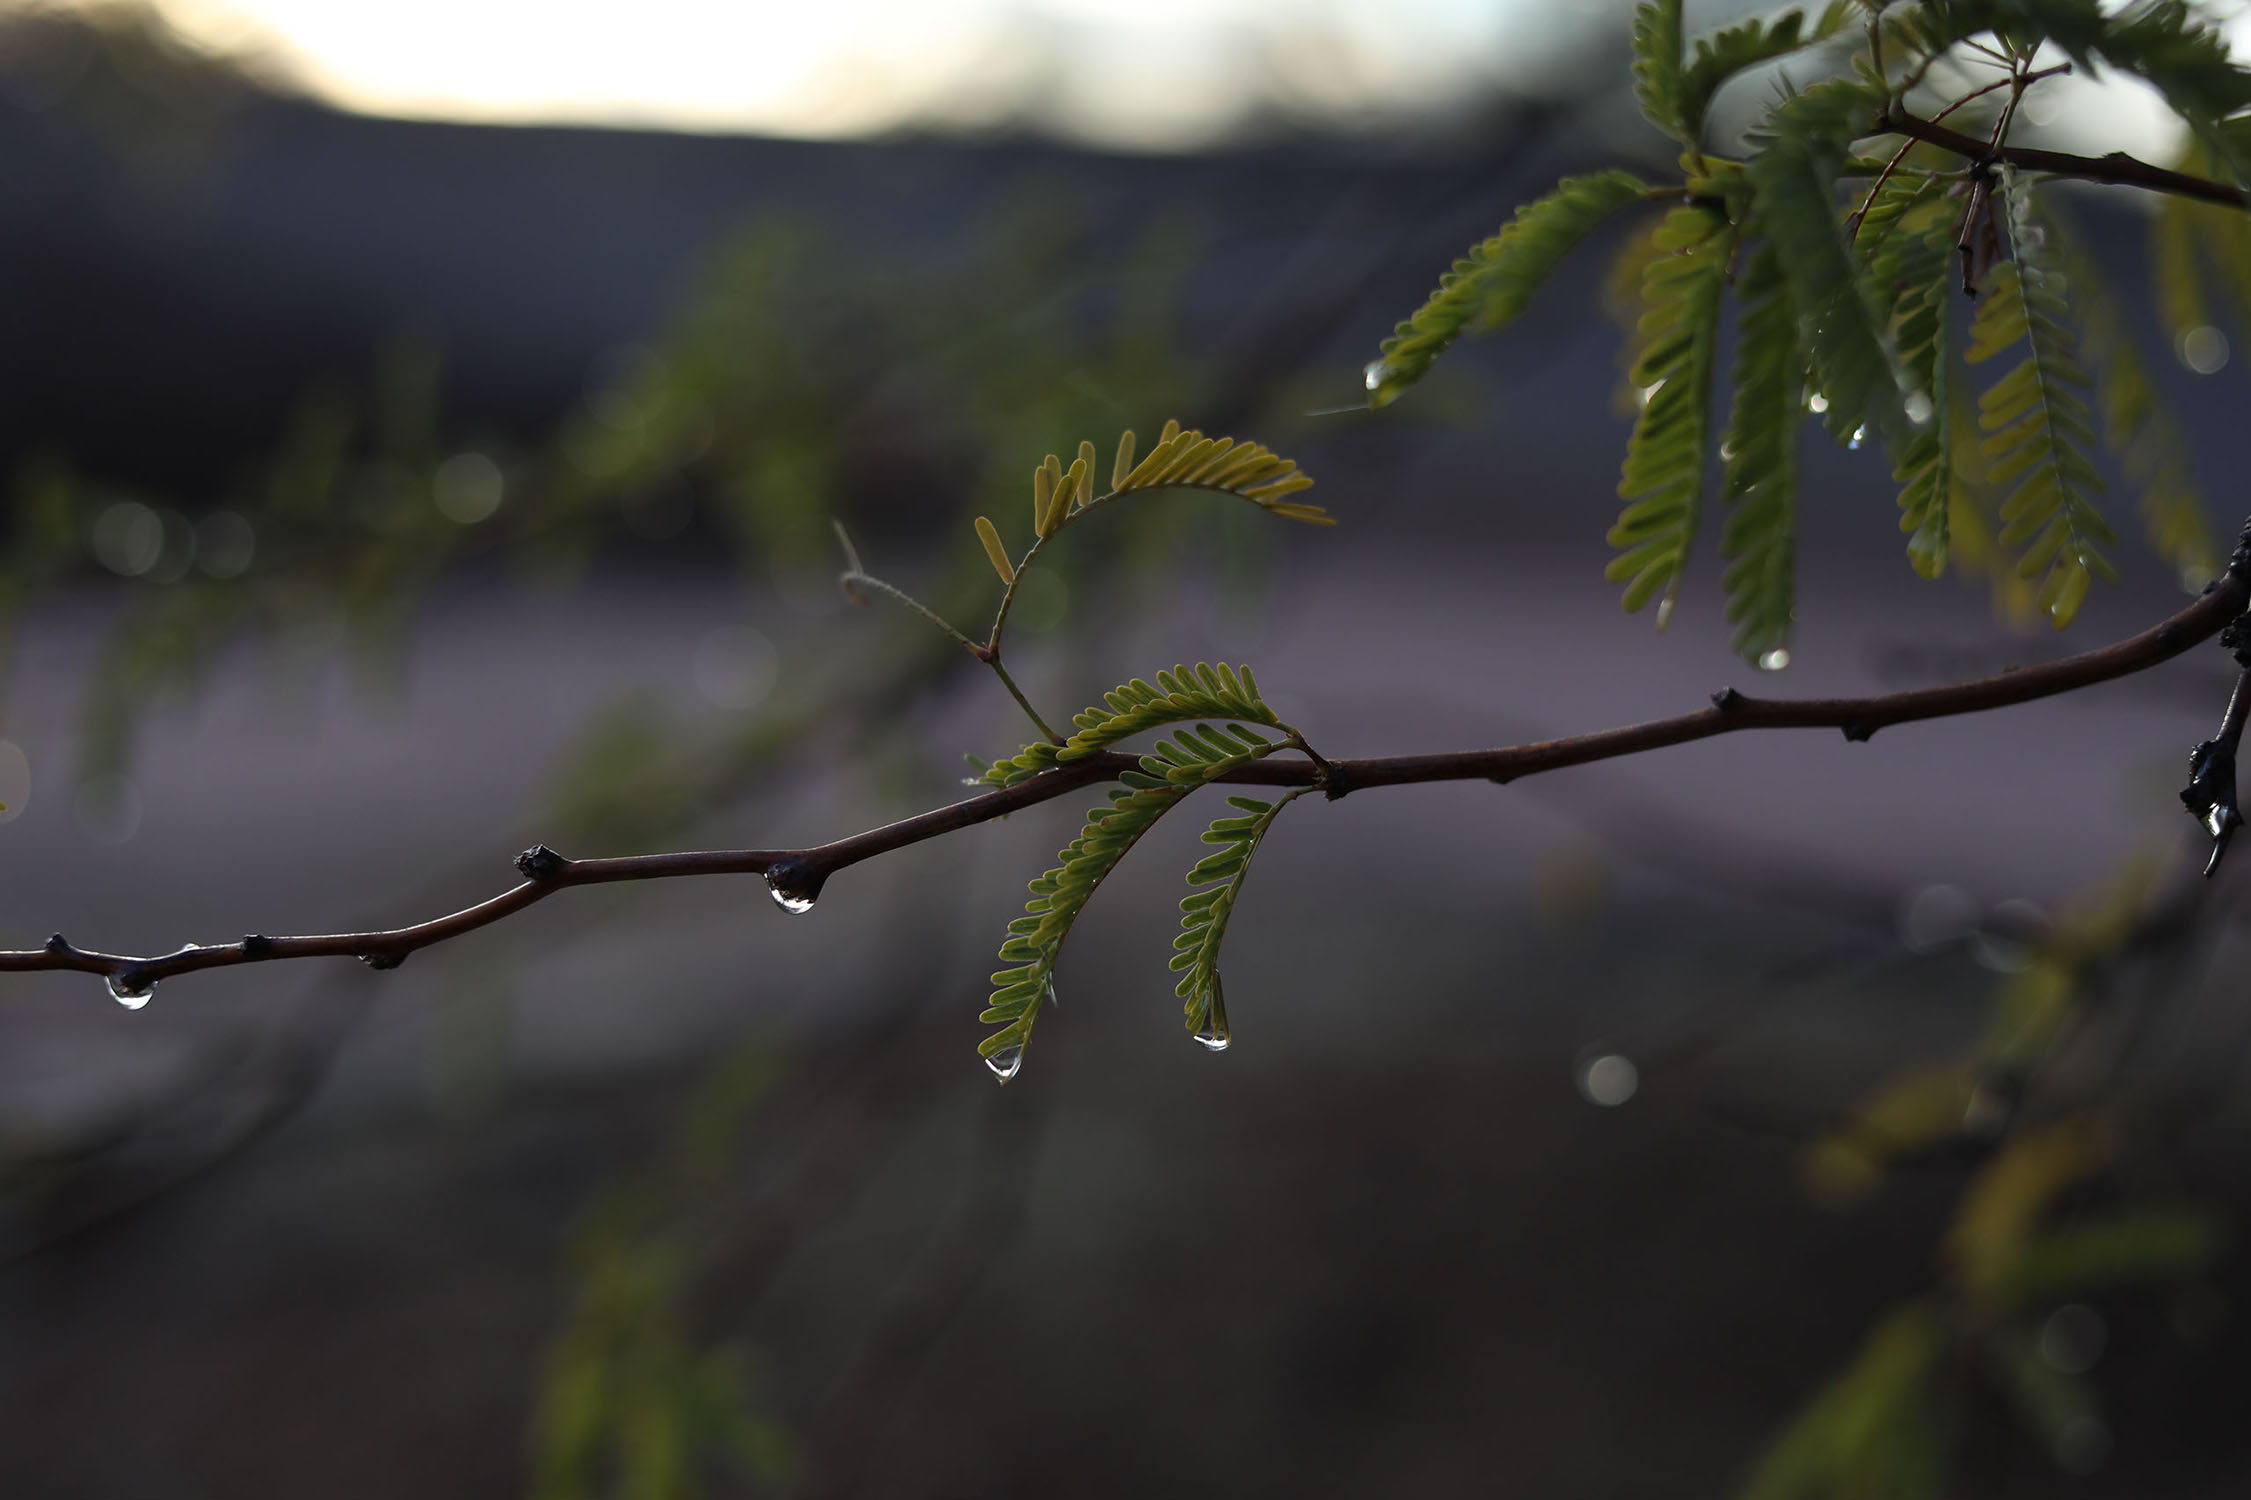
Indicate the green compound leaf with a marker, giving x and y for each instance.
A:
(1913, 256)
(1760, 474)
(1182, 694)
(1747, 44)
(1185, 459)
(1800, 154)
(1657, 66)
(1663, 481)
(2136, 424)
(1176, 767)
(1204, 914)
(1491, 286)
(2036, 421)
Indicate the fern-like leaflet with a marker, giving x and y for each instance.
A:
(1663, 480)
(1760, 477)
(2135, 423)
(1799, 156)
(1911, 257)
(1204, 914)
(1657, 49)
(1491, 286)
(1182, 694)
(2036, 420)
(1732, 49)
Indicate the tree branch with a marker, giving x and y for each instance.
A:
(2117, 167)
(802, 872)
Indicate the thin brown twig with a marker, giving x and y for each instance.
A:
(2117, 167)
(804, 871)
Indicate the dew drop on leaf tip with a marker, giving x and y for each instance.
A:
(128, 994)
(1775, 660)
(1376, 373)
(1214, 1035)
(1859, 436)
(1006, 1062)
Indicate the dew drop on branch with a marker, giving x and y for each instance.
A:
(132, 995)
(792, 892)
(1006, 1061)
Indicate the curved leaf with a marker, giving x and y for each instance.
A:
(1760, 474)
(1491, 286)
(2036, 420)
(1663, 481)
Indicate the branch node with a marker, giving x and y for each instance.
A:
(1335, 782)
(1727, 700)
(382, 960)
(57, 945)
(256, 945)
(540, 863)
(1860, 734)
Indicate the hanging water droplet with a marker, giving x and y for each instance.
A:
(1664, 612)
(1376, 373)
(1775, 660)
(1214, 1034)
(132, 994)
(1859, 436)
(1047, 991)
(1817, 403)
(794, 891)
(1006, 1061)
(1919, 408)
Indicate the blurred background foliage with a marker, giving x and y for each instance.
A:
(1982, 1149)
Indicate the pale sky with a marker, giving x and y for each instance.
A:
(1153, 74)
(1129, 72)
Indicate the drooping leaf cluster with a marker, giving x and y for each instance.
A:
(1192, 757)
(1843, 245)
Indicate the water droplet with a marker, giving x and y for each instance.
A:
(2204, 349)
(1935, 917)
(130, 993)
(1609, 1080)
(1919, 408)
(1859, 436)
(1817, 403)
(793, 890)
(1775, 660)
(1377, 373)
(1214, 1034)
(1006, 1061)
(1664, 612)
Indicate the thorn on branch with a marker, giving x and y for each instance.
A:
(382, 960)
(1859, 734)
(2210, 795)
(540, 863)
(1727, 700)
(57, 945)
